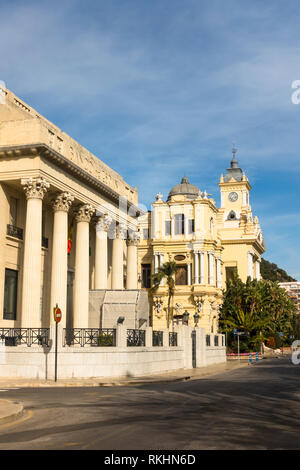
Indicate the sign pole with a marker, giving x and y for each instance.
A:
(56, 324)
(57, 319)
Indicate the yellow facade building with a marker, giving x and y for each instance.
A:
(207, 243)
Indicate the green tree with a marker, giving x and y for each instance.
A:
(260, 308)
(166, 271)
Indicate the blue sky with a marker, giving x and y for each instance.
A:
(158, 89)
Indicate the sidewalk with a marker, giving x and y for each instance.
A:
(12, 410)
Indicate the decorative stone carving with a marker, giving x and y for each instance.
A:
(158, 197)
(121, 231)
(133, 238)
(103, 222)
(178, 308)
(84, 213)
(199, 304)
(158, 304)
(35, 188)
(62, 202)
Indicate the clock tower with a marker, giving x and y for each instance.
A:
(234, 187)
(239, 231)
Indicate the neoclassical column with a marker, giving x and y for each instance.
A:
(81, 282)
(219, 273)
(156, 262)
(201, 267)
(189, 274)
(102, 225)
(161, 259)
(211, 265)
(257, 268)
(196, 264)
(35, 189)
(132, 268)
(59, 267)
(250, 264)
(117, 280)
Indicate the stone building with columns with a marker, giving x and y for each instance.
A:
(69, 223)
(207, 243)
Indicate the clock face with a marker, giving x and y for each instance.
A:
(233, 197)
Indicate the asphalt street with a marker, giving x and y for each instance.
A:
(255, 407)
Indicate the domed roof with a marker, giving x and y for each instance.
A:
(184, 188)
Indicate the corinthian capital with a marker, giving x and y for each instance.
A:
(62, 202)
(133, 238)
(35, 188)
(121, 231)
(84, 213)
(102, 223)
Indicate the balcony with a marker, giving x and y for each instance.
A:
(14, 231)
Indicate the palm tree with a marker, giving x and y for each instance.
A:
(166, 271)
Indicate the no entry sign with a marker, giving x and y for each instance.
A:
(57, 314)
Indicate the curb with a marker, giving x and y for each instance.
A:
(144, 382)
(18, 411)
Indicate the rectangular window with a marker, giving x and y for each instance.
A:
(179, 224)
(10, 294)
(168, 228)
(191, 226)
(146, 234)
(230, 271)
(146, 276)
(13, 211)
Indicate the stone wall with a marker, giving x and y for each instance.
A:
(37, 362)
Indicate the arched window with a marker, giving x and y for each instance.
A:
(179, 224)
(231, 216)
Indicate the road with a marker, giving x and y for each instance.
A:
(254, 407)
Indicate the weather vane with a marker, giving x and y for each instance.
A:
(234, 150)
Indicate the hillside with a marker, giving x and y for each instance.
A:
(271, 272)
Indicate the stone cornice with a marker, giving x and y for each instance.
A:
(44, 151)
(232, 185)
(245, 241)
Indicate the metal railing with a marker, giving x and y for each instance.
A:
(14, 231)
(173, 338)
(157, 338)
(28, 336)
(216, 340)
(136, 337)
(99, 337)
(207, 340)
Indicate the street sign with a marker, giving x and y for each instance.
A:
(57, 319)
(281, 334)
(57, 314)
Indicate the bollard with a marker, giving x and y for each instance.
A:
(257, 357)
(250, 358)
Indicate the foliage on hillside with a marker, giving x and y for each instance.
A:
(271, 272)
